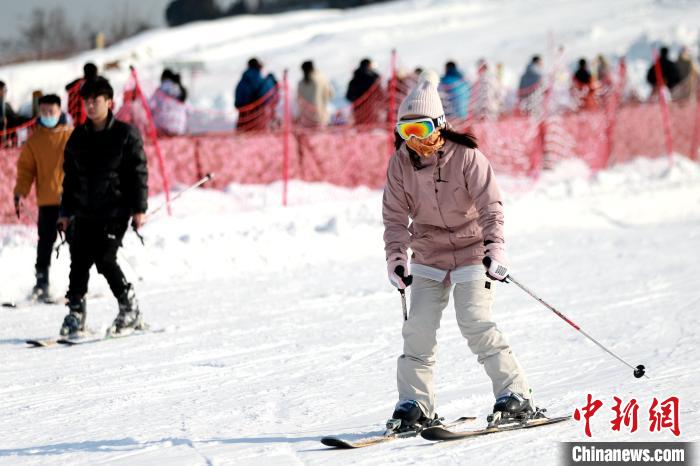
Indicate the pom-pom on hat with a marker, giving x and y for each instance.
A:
(424, 99)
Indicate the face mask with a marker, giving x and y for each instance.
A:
(49, 122)
(428, 146)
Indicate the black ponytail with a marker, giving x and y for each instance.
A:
(465, 139)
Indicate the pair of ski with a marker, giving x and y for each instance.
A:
(87, 337)
(440, 433)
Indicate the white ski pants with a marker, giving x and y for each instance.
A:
(473, 301)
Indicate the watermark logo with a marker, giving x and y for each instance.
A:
(663, 415)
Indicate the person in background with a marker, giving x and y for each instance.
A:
(76, 107)
(456, 92)
(256, 98)
(167, 105)
(584, 87)
(687, 74)
(314, 93)
(669, 72)
(486, 93)
(8, 117)
(105, 185)
(530, 89)
(41, 163)
(366, 94)
(602, 70)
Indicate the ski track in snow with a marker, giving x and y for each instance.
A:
(260, 359)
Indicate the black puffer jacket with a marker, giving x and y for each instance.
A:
(106, 175)
(360, 83)
(669, 72)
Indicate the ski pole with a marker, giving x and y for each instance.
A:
(638, 371)
(199, 183)
(407, 280)
(126, 260)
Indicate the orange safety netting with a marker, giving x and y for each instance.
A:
(269, 144)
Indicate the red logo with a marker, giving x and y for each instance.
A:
(662, 415)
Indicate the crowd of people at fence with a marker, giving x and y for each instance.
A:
(257, 94)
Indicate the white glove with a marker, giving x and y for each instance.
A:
(395, 260)
(496, 262)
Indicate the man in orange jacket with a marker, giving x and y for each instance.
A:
(41, 162)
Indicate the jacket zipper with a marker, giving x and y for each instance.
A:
(437, 201)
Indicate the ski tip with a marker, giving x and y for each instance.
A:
(9, 304)
(433, 433)
(335, 442)
(41, 343)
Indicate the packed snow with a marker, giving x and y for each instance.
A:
(281, 327)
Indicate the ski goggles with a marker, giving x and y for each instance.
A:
(420, 128)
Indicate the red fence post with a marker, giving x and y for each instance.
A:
(286, 133)
(666, 117)
(696, 130)
(391, 117)
(154, 136)
(198, 158)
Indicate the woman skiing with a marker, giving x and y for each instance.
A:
(438, 179)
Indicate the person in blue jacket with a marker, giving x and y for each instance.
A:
(455, 91)
(256, 97)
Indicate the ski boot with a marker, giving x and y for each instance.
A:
(513, 408)
(40, 292)
(129, 317)
(408, 417)
(74, 322)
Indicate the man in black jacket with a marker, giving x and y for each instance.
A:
(365, 93)
(669, 71)
(105, 184)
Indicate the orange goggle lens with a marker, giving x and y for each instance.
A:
(420, 129)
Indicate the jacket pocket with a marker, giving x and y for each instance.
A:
(467, 231)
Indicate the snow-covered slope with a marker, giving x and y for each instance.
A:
(281, 327)
(424, 32)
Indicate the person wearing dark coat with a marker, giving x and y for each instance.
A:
(365, 94)
(76, 108)
(256, 97)
(584, 86)
(105, 184)
(8, 120)
(530, 88)
(669, 71)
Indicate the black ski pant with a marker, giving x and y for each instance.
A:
(46, 226)
(96, 241)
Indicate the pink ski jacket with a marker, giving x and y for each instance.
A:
(453, 203)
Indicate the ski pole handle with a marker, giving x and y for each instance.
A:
(406, 279)
(404, 309)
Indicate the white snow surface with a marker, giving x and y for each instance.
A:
(281, 327)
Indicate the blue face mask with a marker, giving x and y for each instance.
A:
(49, 122)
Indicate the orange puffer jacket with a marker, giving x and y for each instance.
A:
(41, 159)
